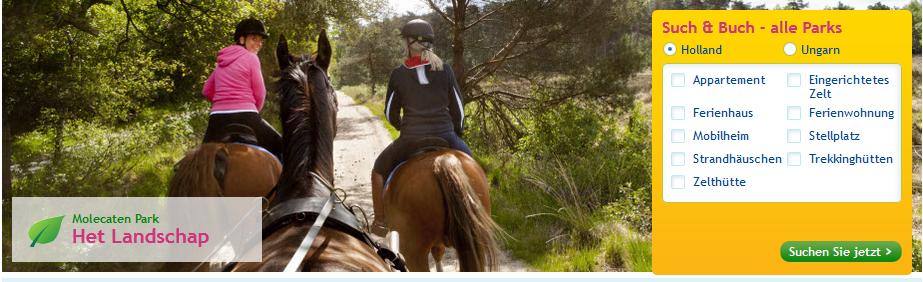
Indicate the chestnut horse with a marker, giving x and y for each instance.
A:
(308, 112)
(222, 170)
(225, 170)
(440, 199)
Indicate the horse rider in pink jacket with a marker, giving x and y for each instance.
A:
(236, 90)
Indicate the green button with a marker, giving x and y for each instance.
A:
(841, 251)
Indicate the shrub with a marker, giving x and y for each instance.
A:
(916, 256)
(576, 174)
(96, 160)
(587, 163)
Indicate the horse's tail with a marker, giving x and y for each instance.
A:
(469, 226)
(194, 175)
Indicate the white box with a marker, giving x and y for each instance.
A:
(678, 113)
(678, 159)
(794, 80)
(794, 112)
(678, 80)
(678, 136)
(794, 159)
(678, 182)
(794, 136)
(768, 134)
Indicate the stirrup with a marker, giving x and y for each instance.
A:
(379, 229)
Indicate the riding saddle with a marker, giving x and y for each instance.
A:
(414, 148)
(239, 134)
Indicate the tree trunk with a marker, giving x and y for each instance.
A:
(57, 141)
(458, 47)
(7, 157)
(371, 75)
(7, 185)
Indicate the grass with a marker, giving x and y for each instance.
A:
(155, 169)
(546, 241)
(618, 251)
(545, 244)
(137, 157)
(623, 247)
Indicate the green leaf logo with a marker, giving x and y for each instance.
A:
(45, 231)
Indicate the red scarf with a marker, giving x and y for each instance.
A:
(414, 61)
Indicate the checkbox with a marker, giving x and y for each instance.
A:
(678, 113)
(794, 136)
(794, 80)
(678, 80)
(794, 113)
(678, 158)
(794, 159)
(678, 182)
(678, 136)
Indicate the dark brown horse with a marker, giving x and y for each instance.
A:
(440, 199)
(308, 112)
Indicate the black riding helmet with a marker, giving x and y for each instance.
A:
(418, 30)
(249, 26)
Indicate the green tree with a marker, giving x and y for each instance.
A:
(514, 57)
(840, 6)
(705, 4)
(879, 6)
(796, 5)
(914, 8)
(717, 4)
(740, 5)
(695, 5)
(81, 71)
(372, 52)
(669, 5)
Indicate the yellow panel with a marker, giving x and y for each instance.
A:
(745, 238)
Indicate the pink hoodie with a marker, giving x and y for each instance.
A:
(237, 82)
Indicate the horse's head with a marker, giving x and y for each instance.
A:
(321, 57)
(310, 71)
(308, 111)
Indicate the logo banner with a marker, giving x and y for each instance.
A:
(137, 229)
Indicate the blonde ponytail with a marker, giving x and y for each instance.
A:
(427, 55)
(430, 56)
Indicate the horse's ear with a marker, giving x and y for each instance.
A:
(324, 52)
(282, 54)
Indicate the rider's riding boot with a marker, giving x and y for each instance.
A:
(378, 226)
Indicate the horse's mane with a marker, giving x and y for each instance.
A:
(308, 129)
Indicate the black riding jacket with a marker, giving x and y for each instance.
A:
(431, 101)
